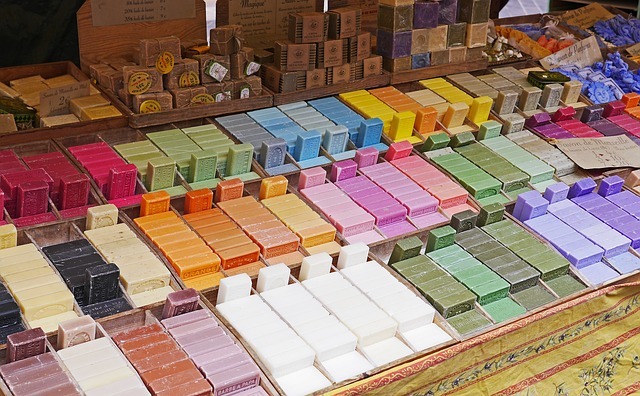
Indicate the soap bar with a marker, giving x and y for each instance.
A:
(529, 98)
(154, 203)
(456, 34)
(455, 115)
(551, 95)
(448, 12)
(571, 92)
(76, 331)
(505, 102)
(425, 14)
(180, 302)
(160, 173)
(102, 283)
(394, 45)
(226, 40)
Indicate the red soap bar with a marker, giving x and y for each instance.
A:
(398, 150)
(43, 157)
(74, 191)
(33, 198)
(7, 154)
(94, 152)
(80, 211)
(9, 182)
(25, 344)
(107, 155)
(565, 113)
(122, 181)
(613, 108)
(103, 167)
(11, 167)
(29, 221)
(78, 149)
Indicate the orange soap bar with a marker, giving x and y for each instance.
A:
(160, 224)
(229, 243)
(140, 221)
(171, 229)
(176, 237)
(631, 99)
(189, 246)
(278, 245)
(187, 251)
(201, 214)
(229, 189)
(249, 269)
(253, 228)
(191, 267)
(426, 120)
(317, 235)
(215, 230)
(208, 221)
(154, 202)
(198, 200)
(273, 187)
(239, 255)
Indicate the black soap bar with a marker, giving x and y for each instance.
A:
(101, 283)
(75, 283)
(8, 330)
(106, 308)
(89, 260)
(9, 313)
(67, 250)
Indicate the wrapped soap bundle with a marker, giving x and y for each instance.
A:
(322, 49)
(418, 34)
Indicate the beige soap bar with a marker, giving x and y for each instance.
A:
(151, 296)
(42, 290)
(97, 113)
(76, 331)
(34, 282)
(5, 90)
(27, 256)
(24, 266)
(47, 305)
(105, 235)
(76, 105)
(8, 236)
(48, 122)
(50, 323)
(101, 216)
(27, 275)
(141, 276)
(60, 81)
(123, 251)
(16, 250)
(455, 114)
(136, 257)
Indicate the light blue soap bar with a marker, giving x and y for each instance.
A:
(272, 153)
(335, 139)
(307, 145)
(292, 106)
(369, 132)
(345, 155)
(310, 163)
(282, 169)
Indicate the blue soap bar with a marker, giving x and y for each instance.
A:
(313, 162)
(273, 152)
(307, 145)
(610, 185)
(624, 263)
(369, 132)
(419, 61)
(598, 273)
(282, 169)
(335, 139)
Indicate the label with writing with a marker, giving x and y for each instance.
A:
(150, 106)
(587, 16)
(316, 78)
(372, 66)
(581, 54)
(606, 152)
(245, 92)
(139, 83)
(189, 79)
(364, 46)
(252, 68)
(297, 57)
(202, 98)
(56, 101)
(348, 25)
(261, 18)
(286, 7)
(223, 96)
(634, 50)
(313, 28)
(120, 12)
(341, 74)
(333, 53)
(216, 71)
(165, 62)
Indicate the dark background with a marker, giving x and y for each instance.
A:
(38, 31)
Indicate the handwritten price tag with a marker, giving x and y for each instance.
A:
(119, 12)
(56, 101)
(599, 153)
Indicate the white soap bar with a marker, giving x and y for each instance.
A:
(324, 323)
(267, 349)
(246, 325)
(133, 259)
(425, 337)
(352, 255)
(374, 283)
(234, 287)
(332, 342)
(386, 351)
(359, 317)
(303, 382)
(151, 296)
(91, 369)
(304, 316)
(377, 331)
(354, 299)
(101, 354)
(346, 366)
(262, 329)
(414, 316)
(273, 277)
(381, 294)
(397, 301)
(339, 296)
(128, 385)
(315, 265)
(85, 347)
(107, 377)
(50, 323)
(286, 296)
(253, 307)
(331, 281)
(289, 361)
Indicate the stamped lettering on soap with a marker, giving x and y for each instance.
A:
(189, 79)
(139, 83)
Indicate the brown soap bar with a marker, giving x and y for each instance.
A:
(25, 344)
(226, 40)
(339, 74)
(184, 74)
(185, 97)
(477, 35)
(439, 57)
(344, 22)
(191, 47)
(263, 56)
(126, 98)
(99, 68)
(372, 66)
(239, 63)
(164, 99)
(220, 91)
(180, 302)
(363, 46)
(474, 54)
(397, 64)
(316, 78)
(395, 19)
(213, 68)
(457, 54)
(112, 80)
(308, 27)
(247, 87)
(294, 57)
(138, 80)
(331, 53)
(151, 49)
(282, 82)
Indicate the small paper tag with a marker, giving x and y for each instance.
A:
(223, 96)
(252, 68)
(216, 71)
(297, 57)
(56, 101)
(245, 92)
(139, 83)
(165, 62)
(189, 79)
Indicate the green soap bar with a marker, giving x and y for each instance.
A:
(495, 253)
(481, 279)
(491, 291)
(446, 158)
(545, 253)
(530, 252)
(463, 265)
(484, 188)
(183, 168)
(415, 270)
(484, 248)
(499, 262)
(542, 186)
(184, 156)
(160, 173)
(405, 248)
(490, 213)
(472, 237)
(239, 159)
(469, 322)
(522, 279)
(450, 260)
(565, 285)
(471, 272)
(211, 183)
(200, 128)
(436, 255)
(494, 199)
(463, 221)
(412, 262)
(245, 177)
(139, 143)
(517, 241)
(552, 268)
(145, 157)
(455, 304)
(489, 129)
(514, 181)
(524, 245)
(168, 132)
(203, 166)
(440, 237)
(514, 194)
(539, 175)
(447, 289)
(429, 273)
(533, 297)
(435, 142)
(175, 191)
(130, 152)
(515, 265)
(428, 286)
(504, 309)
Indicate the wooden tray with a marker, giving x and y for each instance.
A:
(437, 71)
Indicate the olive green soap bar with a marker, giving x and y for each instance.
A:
(565, 285)
(160, 173)
(436, 142)
(454, 304)
(469, 322)
(462, 139)
(203, 166)
(491, 213)
(463, 221)
(533, 297)
(491, 291)
(405, 248)
(440, 237)
(239, 159)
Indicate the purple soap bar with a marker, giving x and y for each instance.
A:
(448, 14)
(585, 255)
(425, 14)
(237, 379)
(538, 119)
(582, 187)
(624, 199)
(598, 273)
(222, 359)
(591, 201)
(185, 319)
(208, 345)
(563, 114)
(556, 192)
(522, 200)
(389, 214)
(613, 243)
(180, 302)
(613, 109)
(178, 332)
(197, 336)
(625, 263)
(610, 185)
(343, 170)
(591, 113)
(534, 207)
(25, 344)
(393, 45)
(366, 157)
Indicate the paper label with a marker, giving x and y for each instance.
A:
(150, 106)
(260, 18)
(216, 71)
(587, 16)
(120, 12)
(189, 79)
(634, 50)
(203, 98)
(606, 152)
(245, 92)
(165, 62)
(297, 57)
(56, 101)
(252, 68)
(581, 54)
(139, 83)
(348, 26)
(223, 96)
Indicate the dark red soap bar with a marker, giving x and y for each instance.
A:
(74, 191)
(9, 182)
(122, 181)
(32, 198)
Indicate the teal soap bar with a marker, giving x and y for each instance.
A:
(489, 129)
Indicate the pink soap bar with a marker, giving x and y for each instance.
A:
(565, 113)
(311, 192)
(185, 319)
(203, 334)
(9, 182)
(80, 211)
(74, 191)
(33, 198)
(343, 170)
(421, 205)
(389, 214)
(122, 181)
(613, 108)
(239, 378)
(366, 157)
(311, 177)
(221, 359)
(355, 224)
(257, 391)
(78, 149)
(397, 229)
(193, 327)
(332, 200)
(398, 150)
(208, 345)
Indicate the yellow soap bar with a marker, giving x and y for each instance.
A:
(292, 221)
(50, 323)
(139, 277)
(8, 236)
(295, 211)
(40, 291)
(97, 113)
(273, 186)
(24, 266)
(480, 109)
(36, 281)
(101, 216)
(24, 257)
(204, 282)
(28, 275)
(280, 199)
(455, 115)
(47, 305)
(402, 125)
(151, 296)
(317, 235)
(17, 250)
(76, 105)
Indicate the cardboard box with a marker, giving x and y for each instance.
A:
(308, 27)
(294, 57)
